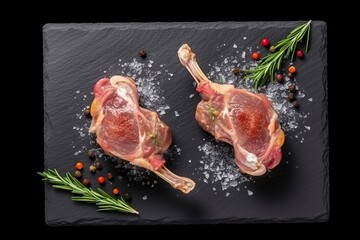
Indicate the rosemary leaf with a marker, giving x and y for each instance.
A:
(271, 63)
(103, 200)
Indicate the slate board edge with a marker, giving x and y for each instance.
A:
(325, 125)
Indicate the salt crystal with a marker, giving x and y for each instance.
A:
(176, 113)
(227, 194)
(244, 38)
(310, 99)
(234, 46)
(307, 127)
(191, 95)
(144, 197)
(77, 91)
(250, 193)
(190, 161)
(243, 54)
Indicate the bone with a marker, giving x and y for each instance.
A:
(188, 59)
(183, 184)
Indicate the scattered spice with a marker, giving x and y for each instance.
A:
(101, 180)
(279, 77)
(79, 165)
(87, 112)
(255, 56)
(110, 176)
(142, 54)
(116, 191)
(77, 174)
(272, 49)
(91, 154)
(299, 53)
(295, 104)
(292, 69)
(291, 97)
(236, 71)
(290, 75)
(98, 165)
(127, 197)
(92, 168)
(86, 182)
(265, 42)
(292, 87)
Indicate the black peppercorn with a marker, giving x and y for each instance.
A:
(110, 176)
(77, 174)
(92, 168)
(86, 182)
(236, 71)
(291, 97)
(279, 77)
(87, 112)
(91, 153)
(292, 87)
(142, 54)
(127, 197)
(295, 104)
(98, 165)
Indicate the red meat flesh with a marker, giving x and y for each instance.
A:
(241, 118)
(130, 132)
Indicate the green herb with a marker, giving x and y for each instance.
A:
(154, 140)
(213, 112)
(103, 200)
(271, 63)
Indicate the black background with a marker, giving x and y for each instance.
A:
(33, 211)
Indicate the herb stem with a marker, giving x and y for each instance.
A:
(103, 200)
(271, 63)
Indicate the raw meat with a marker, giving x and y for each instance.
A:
(130, 132)
(241, 118)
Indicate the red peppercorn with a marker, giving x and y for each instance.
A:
(255, 56)
(116, 191)
(265, 42)
(79, 165)
(300, 54)
(292, 69)
(101, 180)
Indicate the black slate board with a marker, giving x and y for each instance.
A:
(75, 57)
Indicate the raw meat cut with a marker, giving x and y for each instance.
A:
(241, 118)
(130, 132)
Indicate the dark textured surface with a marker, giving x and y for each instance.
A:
(75, 56)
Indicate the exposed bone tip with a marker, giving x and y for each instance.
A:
(261, 170)
(186, 186)
(185, 53)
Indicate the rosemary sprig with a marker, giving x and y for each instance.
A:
(103, 200)
(271, 63)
